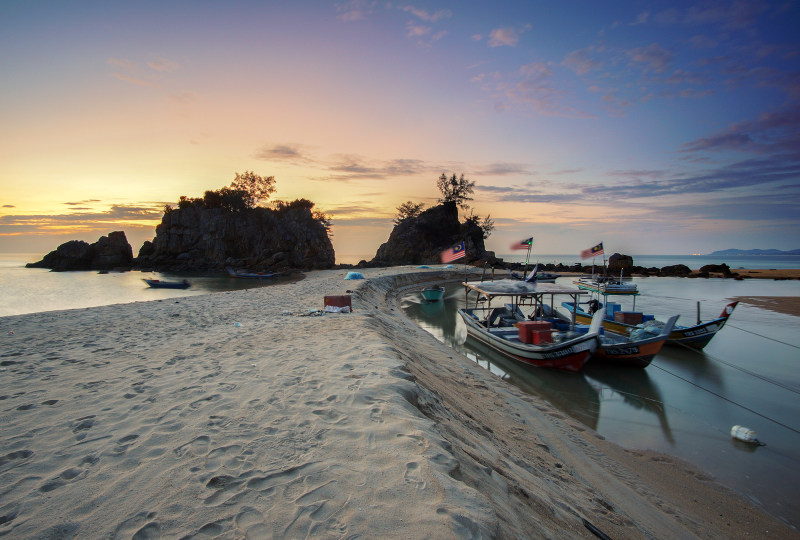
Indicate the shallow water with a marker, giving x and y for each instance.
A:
(31, 290)
(685, 403)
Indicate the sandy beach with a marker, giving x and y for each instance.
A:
(247, 414)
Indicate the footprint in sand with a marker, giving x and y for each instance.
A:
(252, 523)
(223, 456)
(196, 447)
(413, 475)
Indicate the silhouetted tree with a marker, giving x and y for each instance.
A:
(408, 210)
(455, 189)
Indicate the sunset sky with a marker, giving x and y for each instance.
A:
(657, 130)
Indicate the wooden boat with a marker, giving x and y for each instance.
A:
(634, 350)
(532, 343)
(433, 294)
(535, 276)
(160, 284)
(696, 336)
(250, 275)
(607, 285)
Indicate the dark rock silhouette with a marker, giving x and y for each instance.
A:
(258, 239)
(421, 240)
(109, 252)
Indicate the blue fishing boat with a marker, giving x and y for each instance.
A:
(433, 294)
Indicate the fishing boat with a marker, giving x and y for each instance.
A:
(607, 285)
(624, 323)
(535, 343)
(637, 349)
(433, 293)
(161, 284)
(535, 276)
(250, 275)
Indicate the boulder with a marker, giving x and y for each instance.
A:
(112, 251)
(421, 240)
(675, 270)
(620, 264)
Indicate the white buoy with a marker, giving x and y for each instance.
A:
(744, 434)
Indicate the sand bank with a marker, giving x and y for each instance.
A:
(169, 419)
(789, 305)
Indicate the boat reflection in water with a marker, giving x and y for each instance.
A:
(635, 388)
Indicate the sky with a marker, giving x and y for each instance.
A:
(653, 127)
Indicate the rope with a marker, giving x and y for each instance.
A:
(726, 399)
(765, 337)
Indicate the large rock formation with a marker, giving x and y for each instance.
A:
(620, 264)
(112, 251)
(195, 238)
(422, 239)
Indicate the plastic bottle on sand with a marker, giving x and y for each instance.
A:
(744, 434)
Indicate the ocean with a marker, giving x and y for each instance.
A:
(695, 262)
(685, 402)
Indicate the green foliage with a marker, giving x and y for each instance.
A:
(245, 192)
(485, 224)
(408, 210)
(283, 206)
(455, 189)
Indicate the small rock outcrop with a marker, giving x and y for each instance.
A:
(675, 270)
(421, 240)
(258, 239)
(620, 264)
(109, 252)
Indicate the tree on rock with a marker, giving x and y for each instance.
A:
(256, 188)
(408, 210)
(455, 189)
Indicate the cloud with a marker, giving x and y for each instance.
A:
(653, 58)
(530, 87)
(283, 152)
(503, 169)
(500, 37)
(582, 61)
(163, 65)
(354, 10)
(132, 80)
(771, 132)
(641, 18)
(114, 218)
(425, 15)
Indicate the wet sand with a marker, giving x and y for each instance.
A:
(250, 414)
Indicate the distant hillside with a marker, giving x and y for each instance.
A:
(752, 252)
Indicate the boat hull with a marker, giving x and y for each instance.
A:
(569, 355)
(158, 284)
(696, 337)
(634, 354)
(249, 275)
(433, 294)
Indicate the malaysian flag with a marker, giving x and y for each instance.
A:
(592, 252)
(523, 244)
(453, 253)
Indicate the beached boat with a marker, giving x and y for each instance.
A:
(624, 322)
(534, 343)
(161, 284)
(535, 276)
(433, 293)
(607, 285)
(250, 275)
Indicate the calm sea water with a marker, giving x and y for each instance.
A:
(685, 403)
(695, 262)
(31, 290)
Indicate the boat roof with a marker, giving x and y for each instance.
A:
(512, 287)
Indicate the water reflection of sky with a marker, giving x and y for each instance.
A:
(686, 401)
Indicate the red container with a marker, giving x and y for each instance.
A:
(338, 301)
(526, 329)
(540, 337)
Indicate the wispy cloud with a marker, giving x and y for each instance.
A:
(163, 65)
(503, 169)
(582, 61)
(284, 152)
(503, 37)
(354, 10)
(653, 58)
(81, 219)
(426, 15)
